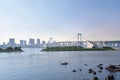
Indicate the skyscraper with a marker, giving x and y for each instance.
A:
(38, 43)
(31, 42)
(11, 42)
(43, 43)
(22, 43)
(25, 42)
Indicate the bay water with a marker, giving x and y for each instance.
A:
(34, 64)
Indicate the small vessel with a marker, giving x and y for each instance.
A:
(113, 68)
(74, 70)
(64, 63)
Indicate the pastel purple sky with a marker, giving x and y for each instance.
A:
(60, 19)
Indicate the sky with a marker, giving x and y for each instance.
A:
(59, 19)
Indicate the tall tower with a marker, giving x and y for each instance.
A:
(79, 37)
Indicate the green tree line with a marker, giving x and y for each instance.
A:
(11, 49)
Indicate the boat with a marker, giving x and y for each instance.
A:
(64, 63)
(113, 68)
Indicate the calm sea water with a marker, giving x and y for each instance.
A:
(36, 65)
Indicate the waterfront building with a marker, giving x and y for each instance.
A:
(11, 42)
(38, 43)
(43, 43)
(31, 42)
(51, 43)
(23, 43)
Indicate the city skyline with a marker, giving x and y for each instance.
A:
(59, 19)
(31, 43)
(34, 41)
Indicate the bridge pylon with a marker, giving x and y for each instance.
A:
(79, 37)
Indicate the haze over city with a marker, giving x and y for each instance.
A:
(60, 19)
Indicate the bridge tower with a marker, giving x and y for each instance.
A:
(79, 39)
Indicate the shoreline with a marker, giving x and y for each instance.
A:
(77, 49)
(9, 51)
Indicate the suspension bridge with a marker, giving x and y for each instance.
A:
(84, 43)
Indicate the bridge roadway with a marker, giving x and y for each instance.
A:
(113, 44)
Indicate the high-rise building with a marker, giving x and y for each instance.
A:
(31, 42)
(22, 43)
(38, 43)
(25, 42)
(11, 42)
(43, 43)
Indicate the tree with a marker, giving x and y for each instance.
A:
(9, 49)
(1, 49)
(17, 49)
